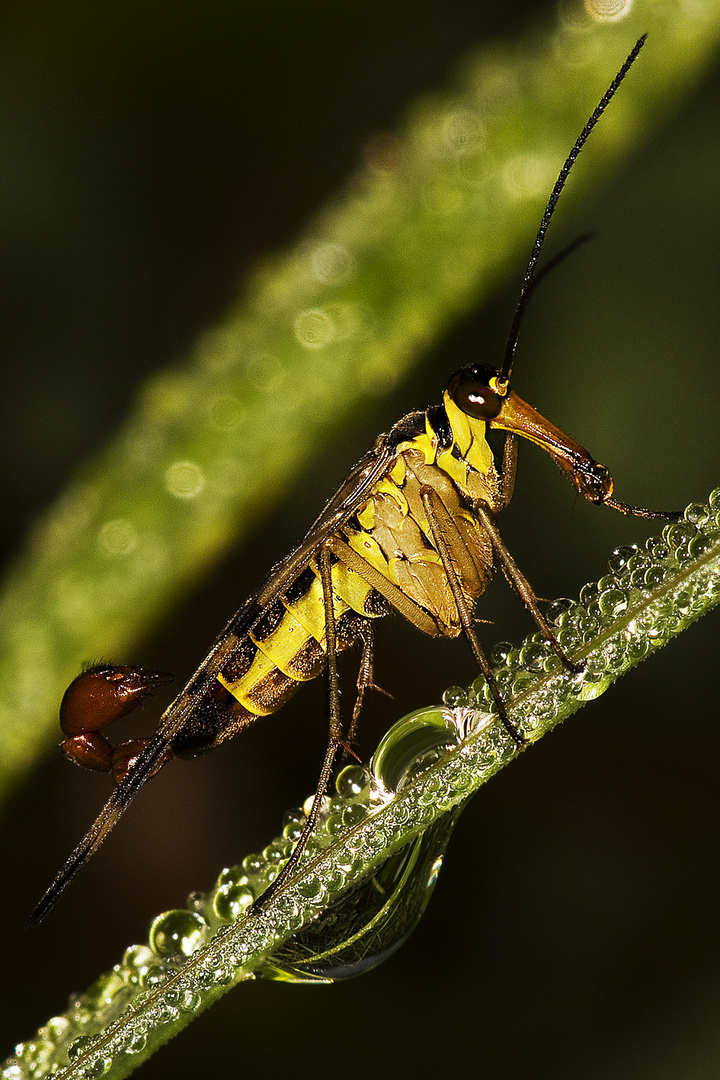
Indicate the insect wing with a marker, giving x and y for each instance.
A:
(335, 513)
(339, 508)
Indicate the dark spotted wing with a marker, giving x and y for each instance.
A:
(337, 511)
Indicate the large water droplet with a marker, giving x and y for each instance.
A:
(372, 921)
(178, 933)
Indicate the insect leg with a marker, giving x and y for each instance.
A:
(420, 618)
(449, 543)
(365, 679)
(522, 586)
(508, 469)
(394, 596)
(335, 735)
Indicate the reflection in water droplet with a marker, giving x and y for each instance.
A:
(232, 901)
(411, 745)
(372, 921)
(368, 924)
(500, 653)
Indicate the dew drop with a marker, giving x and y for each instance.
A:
(164, 1012)
(615, 656)
(522, 682)
(293, 831)
(638, 647)
(411, 745)
(231, 875)
(569, 638)
(504, 678)
(639, 562)
(589, 593)
(178, 933)
(80, 1046)
(353, 815)
(57, 1028)
(655, 576)
(137, 961)
(697, 514)
(275, 853)
(680, 534)
(533, 657)
(311, 889)
(334, 825)
(231, 901)
(618, 561)
(253, 864)
(612, 602)
(657, 547)
(454, 696)
(293, 817)
(185, 1001)
(699, 545)
(553, 613)
(352, 781)
(138, 1038)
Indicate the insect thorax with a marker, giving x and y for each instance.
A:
(391, 530)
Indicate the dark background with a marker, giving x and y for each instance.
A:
(151, 152)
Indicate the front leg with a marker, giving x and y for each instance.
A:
(449, 544)
(522, 586)
(508, 470)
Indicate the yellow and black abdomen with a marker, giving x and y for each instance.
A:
(285, 646)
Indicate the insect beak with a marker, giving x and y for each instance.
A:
(590, 478)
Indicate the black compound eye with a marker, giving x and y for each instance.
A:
(478, 391)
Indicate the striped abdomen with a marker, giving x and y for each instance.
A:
(284, 648)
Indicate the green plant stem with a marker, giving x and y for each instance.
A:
(648, 597)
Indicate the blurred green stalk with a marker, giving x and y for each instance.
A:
(426, 228)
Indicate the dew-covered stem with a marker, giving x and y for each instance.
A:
(401, 808)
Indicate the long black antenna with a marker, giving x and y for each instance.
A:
(529, 282)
